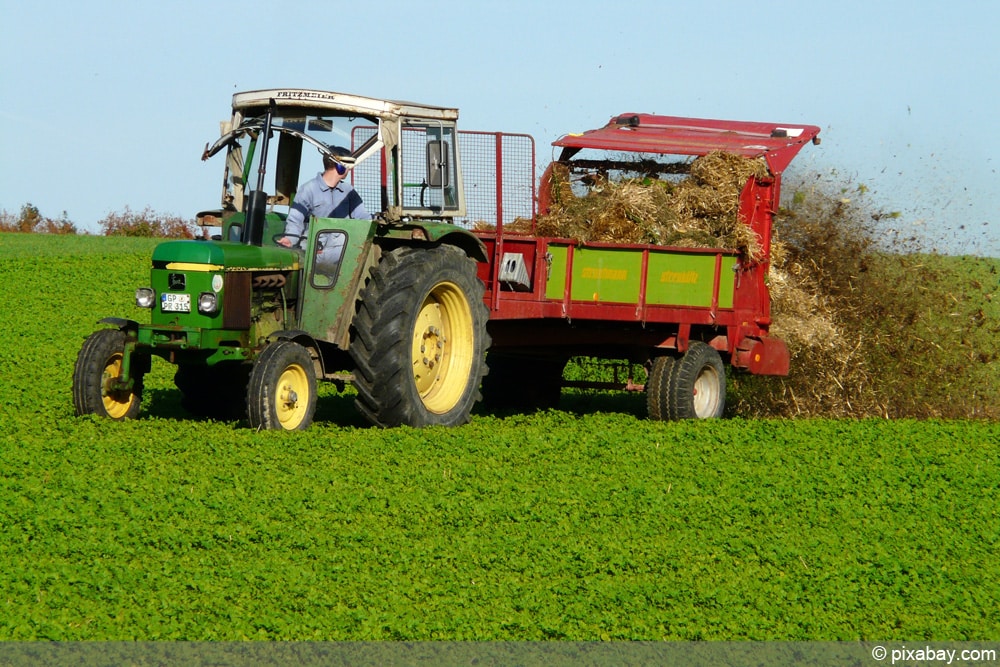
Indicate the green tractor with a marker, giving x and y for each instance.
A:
(393, 302)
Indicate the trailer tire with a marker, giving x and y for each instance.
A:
(97, 364)
(214, 392)
(697, 386)
(419, 339)
(281, 393)
(658, 387)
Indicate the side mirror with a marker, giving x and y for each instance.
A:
(438, 173)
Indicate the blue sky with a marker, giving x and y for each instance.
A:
(109, 104)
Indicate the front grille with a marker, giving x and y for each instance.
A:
(236, 300)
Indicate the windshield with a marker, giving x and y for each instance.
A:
(295, 153)
(419, 174)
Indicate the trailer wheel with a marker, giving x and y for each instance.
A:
(697, 385)
(658, 387)
(98, 365)
(419, 339)
(215, 392)
(281, 393)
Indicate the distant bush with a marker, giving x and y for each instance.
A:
(147, 223)
(31, 220)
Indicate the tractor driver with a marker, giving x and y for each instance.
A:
(326, 196)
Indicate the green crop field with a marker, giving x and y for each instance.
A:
(588, 523)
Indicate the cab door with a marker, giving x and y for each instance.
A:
(338, 252)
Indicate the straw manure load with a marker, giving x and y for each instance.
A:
(697, 211)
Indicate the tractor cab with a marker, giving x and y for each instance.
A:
(401, 158)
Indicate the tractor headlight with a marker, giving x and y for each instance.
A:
(145, 297)
(208, 303)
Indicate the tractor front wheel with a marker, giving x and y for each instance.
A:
(281, 393)
(98, 386)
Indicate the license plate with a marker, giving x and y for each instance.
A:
(175, 303)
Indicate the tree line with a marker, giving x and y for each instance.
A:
(147, 223)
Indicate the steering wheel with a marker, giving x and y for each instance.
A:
(298, 239)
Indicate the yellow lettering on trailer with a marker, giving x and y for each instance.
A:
(682, 277)
(604, 274)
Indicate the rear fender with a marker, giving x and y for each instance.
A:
(437, 233)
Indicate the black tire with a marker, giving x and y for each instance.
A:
(281, 393)
(658, 387)
(215, 392)
(97, 365)
(697, 384)
(419, 339)
(522, 383)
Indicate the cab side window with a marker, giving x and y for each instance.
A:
(328, 252)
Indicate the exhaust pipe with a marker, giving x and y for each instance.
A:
(256, 206)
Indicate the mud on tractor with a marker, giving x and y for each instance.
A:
(406, 304)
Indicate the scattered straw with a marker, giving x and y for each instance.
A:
(871, 332)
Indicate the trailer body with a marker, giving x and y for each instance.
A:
(554, 298)
(665, 292)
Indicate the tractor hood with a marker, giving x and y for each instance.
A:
(223, 255)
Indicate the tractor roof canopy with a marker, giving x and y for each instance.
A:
(256, 101)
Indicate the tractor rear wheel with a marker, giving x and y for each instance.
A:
(697, 385)
(281, 393)
(419, 339)
(98, 368)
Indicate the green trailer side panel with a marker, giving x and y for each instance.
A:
(600, 274)
(613, 275)
(556, 285)
(727, 282)
(680, 279)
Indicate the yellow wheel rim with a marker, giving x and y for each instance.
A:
(116, 403)
(292, 397)
(443, 347)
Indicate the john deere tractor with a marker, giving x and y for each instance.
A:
(392, 303)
